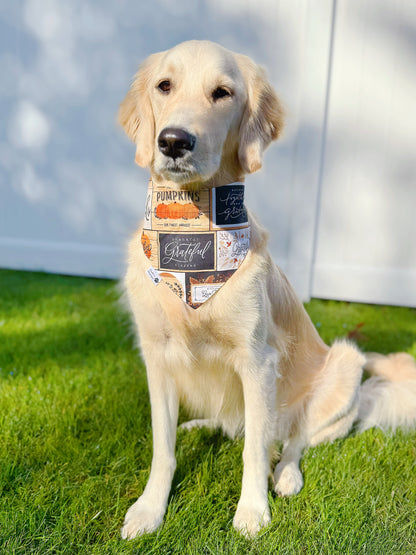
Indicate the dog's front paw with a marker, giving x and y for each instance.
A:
(250, 521)
(288, 480)
(140, 519)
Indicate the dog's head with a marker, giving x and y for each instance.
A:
(197, 109)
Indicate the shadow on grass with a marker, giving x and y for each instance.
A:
(29, 288)
(68, 343)
(59, 320)
(390, 340)
(193, 448)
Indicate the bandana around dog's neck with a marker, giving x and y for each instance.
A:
(195, 240)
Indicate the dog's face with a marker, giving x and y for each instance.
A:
(198, 108)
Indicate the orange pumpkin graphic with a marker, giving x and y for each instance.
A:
(190, 211)
(147, 245)
(162, 211)
(175, 211)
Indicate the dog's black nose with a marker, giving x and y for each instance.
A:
(175, 142)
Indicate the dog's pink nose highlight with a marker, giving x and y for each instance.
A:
(175, 142)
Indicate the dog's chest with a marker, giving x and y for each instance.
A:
(203, 341)
(204, 366)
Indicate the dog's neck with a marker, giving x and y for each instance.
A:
(195, 237)
(216, 181)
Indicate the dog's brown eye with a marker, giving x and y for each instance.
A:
(164, 86)
(220, 92)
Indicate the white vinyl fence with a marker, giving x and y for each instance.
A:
(342, 180)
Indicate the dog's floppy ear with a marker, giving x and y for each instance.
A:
(262, 120)
(135, 114)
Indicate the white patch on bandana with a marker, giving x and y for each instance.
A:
(232, 247)
(153, 275)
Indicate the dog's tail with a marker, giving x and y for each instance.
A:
(388, 397)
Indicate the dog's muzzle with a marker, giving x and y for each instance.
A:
(175, 143)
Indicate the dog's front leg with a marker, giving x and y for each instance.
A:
(148, 511)
(259, 387)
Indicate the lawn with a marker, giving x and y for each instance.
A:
(75, 444)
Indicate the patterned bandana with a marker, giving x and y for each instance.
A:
(195, 240)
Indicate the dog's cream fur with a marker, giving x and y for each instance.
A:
(249, 359)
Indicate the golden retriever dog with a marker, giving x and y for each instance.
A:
(248, 360)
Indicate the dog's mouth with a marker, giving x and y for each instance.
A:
(187, 169)
(176, 169)
(180, 171)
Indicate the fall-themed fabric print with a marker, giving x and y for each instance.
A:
(202, 285)
(174, 282)
(147, 246)
(195, 240)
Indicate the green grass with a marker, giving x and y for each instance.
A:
(75, 442)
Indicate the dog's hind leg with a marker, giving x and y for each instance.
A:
(287, 476)
(328, 411)
(332, 406)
